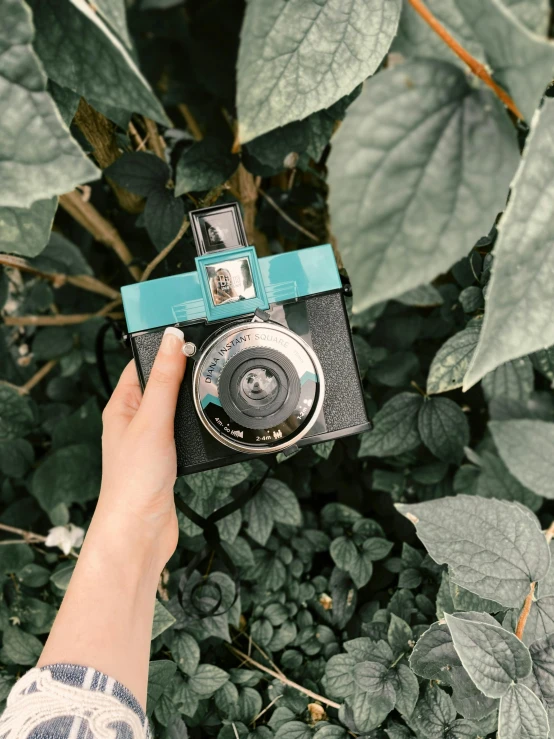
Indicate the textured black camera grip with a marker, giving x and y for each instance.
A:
(343, 405)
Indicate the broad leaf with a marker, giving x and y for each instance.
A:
(16, 416)
(480, 540)
(139, 172)
(19, 647)
(522, 715)
(433, 713)
(512, 380)
(67, 476)
(25, 231)
(80, 52)
(207, 679)
(541, 680)
(452, 360)
(493, 657)
(339, 675)
(38, 157)
(405, 174)
(519, 303)
(395, 428)
(443, 428)
(369, 710)
(160, 674)
(495, 481)
(163, 217)
(526, 449)
(299, 57)
(186, 652)
(204, 165)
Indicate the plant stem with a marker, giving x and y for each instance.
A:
(38, 376)
(525, 611)
(282, 678)
(286, 217)
(155, 140)
(478, 69)
(86, 214)
(85, 282)
(191, 122)
(27, 536)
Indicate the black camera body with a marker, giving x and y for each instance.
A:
(271, 362)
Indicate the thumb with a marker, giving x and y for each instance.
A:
(157, 408)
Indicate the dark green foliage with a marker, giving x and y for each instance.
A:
(400, 621)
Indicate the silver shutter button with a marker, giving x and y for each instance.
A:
(189, 349)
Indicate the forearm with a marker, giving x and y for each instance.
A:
(105, 620)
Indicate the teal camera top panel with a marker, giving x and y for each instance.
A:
(180, 298)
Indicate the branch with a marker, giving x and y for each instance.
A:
(61, 319)
(478, 69)
(282, 678)
(191, 122)
(100, 133)
(287, 218)
(154, 139)
(525, 611)
(90, 219)
(28, 536)
(86, 282)
(247, 188)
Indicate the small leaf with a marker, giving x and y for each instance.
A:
(186, 652)
(480, 540)
(344, 552)
(16, 416)
(399, 635)
(204, 165)
(294, 730)
(493, 657)
(522, 715)
(207, 679)
(25, 231)
(369, 710)
(526, 449)
(452, 360)
(139, 172)
(339, 675)
(407, 690)
(69, 475)
(19, 647)
(163, 620)
(514, 380)
(443, 428)
(395, 428)
(163, 217)
(433, 714)
(160, 674)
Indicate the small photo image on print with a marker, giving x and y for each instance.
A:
(220, 231)
(230, 280)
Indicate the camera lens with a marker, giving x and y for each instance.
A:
(260, 385)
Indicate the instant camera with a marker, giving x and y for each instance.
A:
(271, 363)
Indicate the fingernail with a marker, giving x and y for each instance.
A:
(172, 340)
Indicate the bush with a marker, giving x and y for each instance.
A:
(391, 585)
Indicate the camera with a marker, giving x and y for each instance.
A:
(271, 366)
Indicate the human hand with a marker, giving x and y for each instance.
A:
(139, 458)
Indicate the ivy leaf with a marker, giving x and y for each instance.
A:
(398, 200)
(522, 715)
(299, 57)
(395, 428)
(139, 172)
(443, 428)
(16, 416)
(493, 657)
(513, 380)
(452, 360)
(163, 217)
(160, 674)
(480, 540)
(69, 475)
(204, 165)
(163, 620)
(186, 652)
(80, 52)
(207, 679)
(525, 448)
(519, 304)
(38, 156)
(25, 231)
(19, 647)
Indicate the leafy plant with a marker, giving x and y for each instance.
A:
(389, 586)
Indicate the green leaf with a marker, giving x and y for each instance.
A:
(207, 679)
(376, 548)
(62, 576)
(294, 730)
(540, 621)
(480, 540)
(249, 705)
(84, 424)
(14, 557)
(185, 652)
(452, 360)
(274, 502)
(344, 552)
(19, 647)
(52, 341)
(424, 296)
(399, 635)
(541, 680)
(519, 303)
(398, 200)
(69, 475)
(38, 157)
(395, 429)
(513, 380)
(16, 457)
(443, 428)
(407, 690)
(299, 57)
(361, 569)
(339, 675)
(522, 715)
(493, 657)
(80, 52)
(433, 714)
(34, 576)
(113, 12)
(163, 620)
(160, 674)
(370, 710)
(495, 481)
(139, 172)
(16, 414)
(526, 449)
(25, 231)
(163, 217)
(204, 165)
(60, 255)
